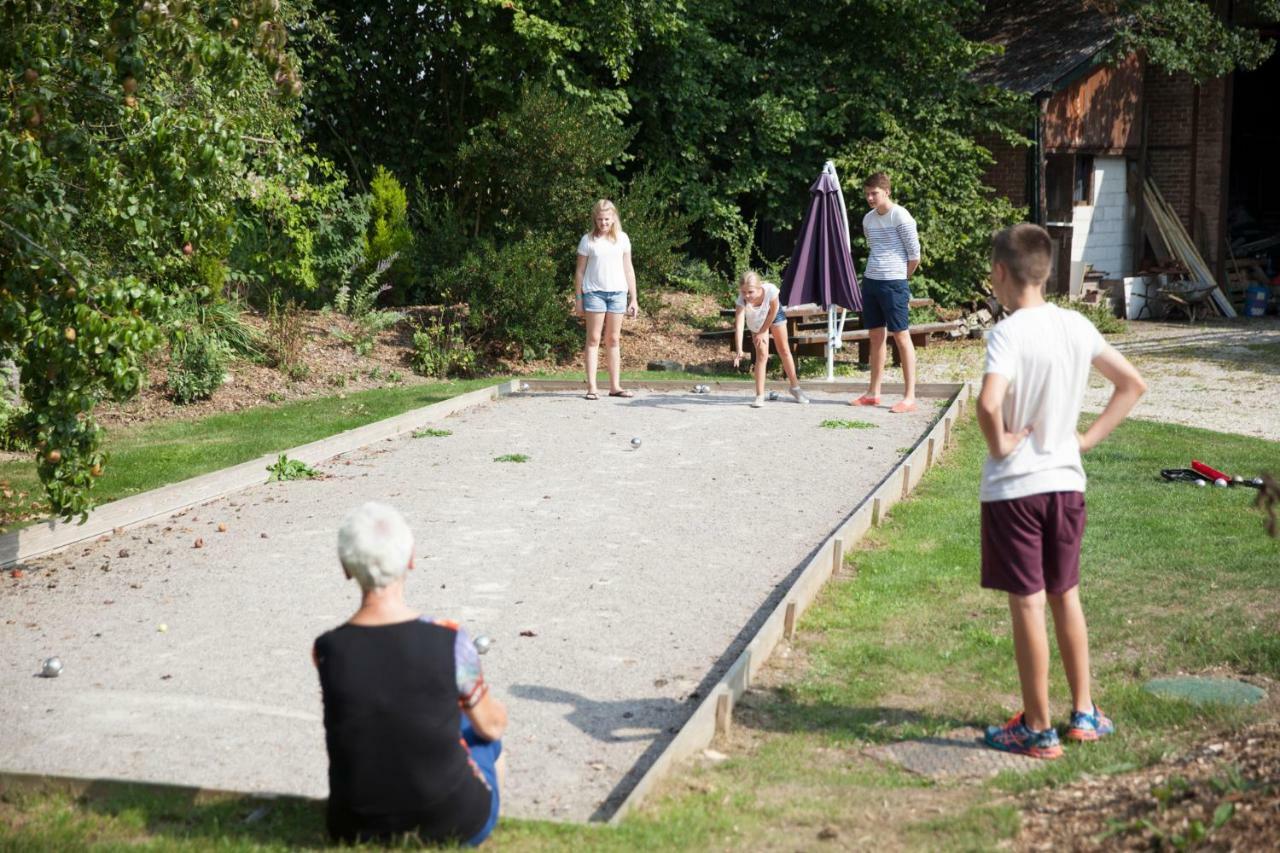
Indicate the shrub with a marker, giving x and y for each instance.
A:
(441, 351)
(220, 320)
(339, 243)
(389, 236)
(197, 366)
(519, 295)
(538, 168)
(286, 335)
(359, 306)
(693, 275)
(441, 240)
(280, 218)
(1098, 313)
(657, 232)
(15, 430)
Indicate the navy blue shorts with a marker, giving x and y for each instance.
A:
(485, 754)
(885, 303)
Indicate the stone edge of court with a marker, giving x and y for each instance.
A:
(714, 713)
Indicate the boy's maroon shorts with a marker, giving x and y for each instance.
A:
(1033, 543)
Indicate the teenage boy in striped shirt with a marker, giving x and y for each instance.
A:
(894, 255)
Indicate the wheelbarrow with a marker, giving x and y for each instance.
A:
(1188, 298)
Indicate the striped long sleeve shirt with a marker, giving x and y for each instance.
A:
(893, 241)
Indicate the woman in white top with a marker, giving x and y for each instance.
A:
(605, 290)
(759, 308)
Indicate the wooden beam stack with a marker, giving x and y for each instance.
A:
(1181, 246)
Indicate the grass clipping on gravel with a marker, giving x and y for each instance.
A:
(511, 457)
(839, 423)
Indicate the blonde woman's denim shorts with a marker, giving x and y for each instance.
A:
(605, 301)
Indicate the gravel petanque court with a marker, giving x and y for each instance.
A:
(617, 584)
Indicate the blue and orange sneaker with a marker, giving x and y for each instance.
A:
(1086, 727)
(1014, 736)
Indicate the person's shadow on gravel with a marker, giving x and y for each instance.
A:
(616, 721)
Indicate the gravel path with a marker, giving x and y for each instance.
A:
(1222, 375)
(636, 573)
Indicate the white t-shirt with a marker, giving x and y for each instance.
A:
(1045, 353)
(605, 269)
(758, 317)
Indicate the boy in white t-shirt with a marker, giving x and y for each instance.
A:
(1033, 512)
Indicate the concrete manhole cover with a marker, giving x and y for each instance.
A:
(956, 754)
(1206, 691)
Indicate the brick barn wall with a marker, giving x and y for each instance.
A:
(1008, 175)
(1186, 151)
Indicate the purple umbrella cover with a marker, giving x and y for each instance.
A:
(821, 268)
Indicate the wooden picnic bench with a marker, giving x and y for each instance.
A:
(807, 331)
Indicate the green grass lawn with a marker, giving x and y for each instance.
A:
(902, 643)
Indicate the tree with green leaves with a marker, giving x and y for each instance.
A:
(404, 83)
(1190, 36)
(739, 106)
(125, 130)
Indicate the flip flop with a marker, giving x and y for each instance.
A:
(592, 395)
(622, 393)
(902, 407)
(865, 400)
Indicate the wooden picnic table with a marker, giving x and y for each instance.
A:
(807, 331)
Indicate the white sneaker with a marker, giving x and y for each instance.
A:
(757, 403)
(799, 395)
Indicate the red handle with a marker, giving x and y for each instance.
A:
(1211, 473)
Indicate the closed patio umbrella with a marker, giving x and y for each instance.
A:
(821, 269)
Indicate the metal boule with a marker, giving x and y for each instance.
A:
(482, 643)
(635, 442)
(51, 667)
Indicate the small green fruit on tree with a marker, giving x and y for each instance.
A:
(122, 135)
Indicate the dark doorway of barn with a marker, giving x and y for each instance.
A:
(1253, 196)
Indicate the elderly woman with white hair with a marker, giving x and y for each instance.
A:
(411, 729)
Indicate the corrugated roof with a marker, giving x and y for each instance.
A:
(1044, 42)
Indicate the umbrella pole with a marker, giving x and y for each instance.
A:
(833, 340)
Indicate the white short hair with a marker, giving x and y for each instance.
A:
(375, 545)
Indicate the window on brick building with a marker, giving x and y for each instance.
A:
(1082, 193)
(1058, 176)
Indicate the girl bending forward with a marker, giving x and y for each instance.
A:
(760, 311)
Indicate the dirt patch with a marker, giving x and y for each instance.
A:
(329, 366)
(1223, 795)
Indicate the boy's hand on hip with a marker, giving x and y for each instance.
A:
(1009, 442)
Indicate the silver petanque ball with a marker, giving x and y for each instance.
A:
(482, 644)
(51, 667)
(1200, 483)
(635, 442)
(1220, 483)
(773, 395)
(524, 386)
(706, 389)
